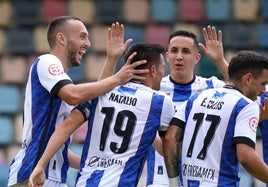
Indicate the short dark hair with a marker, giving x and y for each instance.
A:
(57, 25)
(145, 51)
(184, 33)
(246, 61)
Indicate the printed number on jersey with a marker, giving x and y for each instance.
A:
(214, 122)
(121, 130)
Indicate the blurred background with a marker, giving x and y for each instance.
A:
(23, 25)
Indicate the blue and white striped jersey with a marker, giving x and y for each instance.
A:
(179, 93)
(121, 127)
(213, 122)
(43, 111)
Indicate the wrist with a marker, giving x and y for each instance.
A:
(173, 182)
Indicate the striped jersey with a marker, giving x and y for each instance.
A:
(214, 122)
(43, 111)
(122, 125)
(179, 93)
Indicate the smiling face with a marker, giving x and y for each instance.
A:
(182, 56)
(77, 42)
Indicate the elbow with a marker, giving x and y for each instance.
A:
(70, 94)
(72, 98)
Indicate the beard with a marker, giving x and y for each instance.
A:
(72, 59)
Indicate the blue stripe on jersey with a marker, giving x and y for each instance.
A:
(126, 89)
(190, 104)
(150, 164)
(43, 125)
(92, 109)
(136, 162)
(181, 92)
(96, 175)
(209, 84)
(228, 174)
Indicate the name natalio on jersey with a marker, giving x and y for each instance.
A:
(123, 99)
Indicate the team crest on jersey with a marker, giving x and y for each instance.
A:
(219, 95)
(54, 69)
(253, 124)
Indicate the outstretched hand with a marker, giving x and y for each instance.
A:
(37, 178)
(128, 71)
(213, 49)
(115, 41)
(115, 48)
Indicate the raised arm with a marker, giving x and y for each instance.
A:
(115, 48)
(59, 137)
(77, 94)
(213, 49)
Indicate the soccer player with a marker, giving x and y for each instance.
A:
(183, 55)
(122, 125)
(50, 95)
(218, 128)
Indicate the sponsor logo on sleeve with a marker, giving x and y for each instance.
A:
(253, 124)
(54, 69)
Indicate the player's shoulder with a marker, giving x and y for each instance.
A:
(214, 78)
(49, 58)
(166, 78)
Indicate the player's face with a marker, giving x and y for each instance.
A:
(257, 85)
(77, 43)
(182, 56)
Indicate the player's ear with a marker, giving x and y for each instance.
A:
(153, 70)
(60, 37)
(247, 78)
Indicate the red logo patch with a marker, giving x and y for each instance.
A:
(253, 124)
(54, 69)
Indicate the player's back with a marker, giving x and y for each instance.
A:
(214, 119)
(122, 126)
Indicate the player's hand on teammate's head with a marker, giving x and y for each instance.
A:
(129, 71)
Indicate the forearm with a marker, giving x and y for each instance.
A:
(60, 136)
(108, 68)
(80, 93)
(157, 144)
(98, 88)
(222, 66)
(252, 162)
(171, 151)
(258, 169)
(56, 141)
(171, 160)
